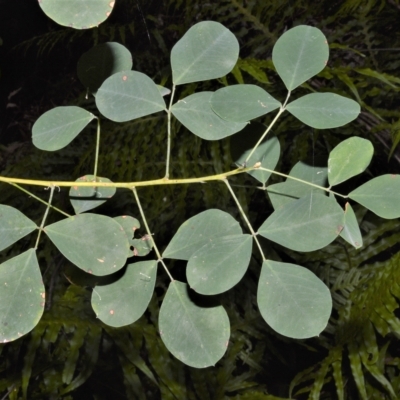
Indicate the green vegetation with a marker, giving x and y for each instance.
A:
(317, 244)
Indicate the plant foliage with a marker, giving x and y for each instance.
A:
(299, 304)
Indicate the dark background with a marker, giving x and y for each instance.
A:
(38, 72)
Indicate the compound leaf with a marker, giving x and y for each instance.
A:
(206, 51)
(197, 336)
(124, 301)
(299, 54)
(13, 226)
(196, 114)
(241, 103)
(58, 127)
(349, 158)
(22, 296)
(267, 153)
(128, 95)
(380, 195)
(292, 300)
(86, 198)
(307, 224)
(102, 61)
(78, 14)
(324, 110)
(95, 243)
(200, 230)
(220, 264)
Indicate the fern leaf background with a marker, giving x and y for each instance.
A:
(70, 354)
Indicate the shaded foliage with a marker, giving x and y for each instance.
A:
(70, 353)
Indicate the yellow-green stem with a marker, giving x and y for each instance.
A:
(44, 216)
(253, 233)
(159, 258)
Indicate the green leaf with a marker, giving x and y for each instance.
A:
(197, 336)
(283, 193)
(13, 226)
(124, 301)
(241, 103)
(22, 296)
(195, 113)
(349, 158)
(102, 61)
(163, 90)
(86, 198)
(299, 54)
(138, 247)
(208, 50)
(220, 264)
(267, 153)
(128, 95)
(324, 110)
(200, 230)
(307, 224)
(292, 300)
(95, 243)
(78, 14)
(380, 195)
(58, 127)
(351, 231)
(385, 78)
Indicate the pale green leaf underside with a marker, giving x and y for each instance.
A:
(267, 153)
(22, 296)
(78, 14)
(349, 158)
(95, 243)
(163, 90)
(380, 195)
(59, 126)
(86, 198)
(137, 247)
(307, 224)
(195, 113)
(324, 110)
(102, 61)
(283, 193)
(351, 231)
(220, 264)
(299, 54)
(129, 225)
(206, 51)
(200, 230)
(128, 95)
(292, 300)
(242, 103)
(13, 226)
(124, 301)
(197, 336)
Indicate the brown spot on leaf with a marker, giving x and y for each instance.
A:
(43, 295)
(112, 4)
(112, 312)
(124, 78)
(339, 229)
